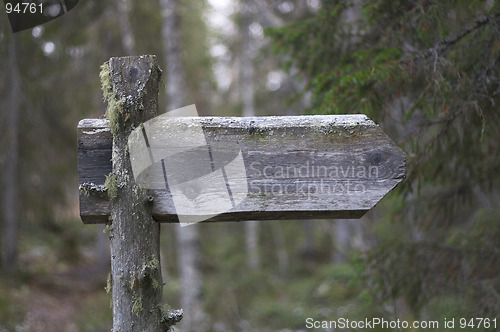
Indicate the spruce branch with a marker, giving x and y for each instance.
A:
(446, 43)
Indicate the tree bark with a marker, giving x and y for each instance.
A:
(247, 88)
(136, 279)
(252, 244)
(281, 251)
(187, 237)
(342, 234)
(342, 228)
(128, 40)
(102, 250)
(12, 158)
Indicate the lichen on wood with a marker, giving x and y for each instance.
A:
(89, 188)
(170, 317)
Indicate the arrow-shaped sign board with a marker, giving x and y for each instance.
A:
(245, 168)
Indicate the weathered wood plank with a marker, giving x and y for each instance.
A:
(95, 144)
(323, 166)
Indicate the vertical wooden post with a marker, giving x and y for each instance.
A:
(130, 85)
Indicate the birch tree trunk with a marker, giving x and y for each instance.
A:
(187, 237)
(12, 158)
(342, 234)
(128, 40)
(247, 88)
(131, 87)
(343, 230)
(281, 251)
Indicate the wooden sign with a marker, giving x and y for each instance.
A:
(296, 167)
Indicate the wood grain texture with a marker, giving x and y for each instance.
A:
(322, 166)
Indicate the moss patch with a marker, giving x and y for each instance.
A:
(137, 306)
(111, 185)
(105, 76)
(153, 264)
(115, 106)
(107, 229)
(108, 284)
(155, 283)
(165, 309)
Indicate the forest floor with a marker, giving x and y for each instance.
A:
(66, 296)
(53, 303)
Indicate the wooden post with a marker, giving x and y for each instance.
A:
(130, 85)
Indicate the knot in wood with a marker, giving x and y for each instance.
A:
(376, 159)
(131, 74)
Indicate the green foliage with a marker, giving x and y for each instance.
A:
(428, 273)
(428, 72)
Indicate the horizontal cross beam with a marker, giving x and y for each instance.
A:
(296, 167)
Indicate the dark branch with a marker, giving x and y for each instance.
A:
(446, 43)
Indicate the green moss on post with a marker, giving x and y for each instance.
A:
(111, 185)
(106, 86)
(108, 287)
(153, 264)
(115, 105)
(137, 307)
(107, 229)
(155, 283)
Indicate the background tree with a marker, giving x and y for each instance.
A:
(187, 237)
(247, 87)
(10, 201)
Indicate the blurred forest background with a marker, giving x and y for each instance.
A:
(427, 71)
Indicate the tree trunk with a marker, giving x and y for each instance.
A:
(187, 237)
(280, 244)
(131, 87)
(252, 244)
(102, 250)
(12, 158)
(342, 234)
(247, 88)
(128, 40)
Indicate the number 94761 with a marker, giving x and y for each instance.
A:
(23, 7)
